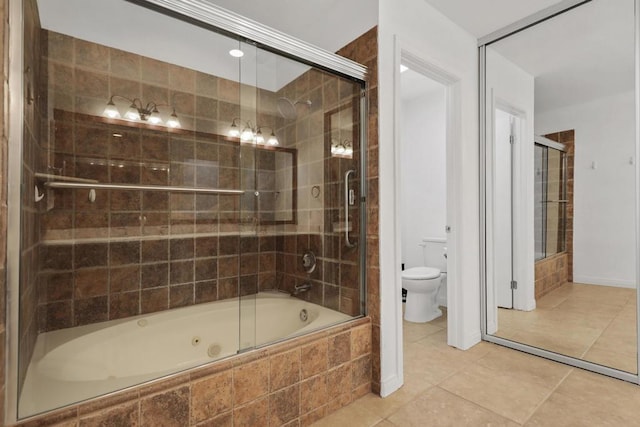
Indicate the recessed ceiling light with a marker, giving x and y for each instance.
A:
(403, 68)
(236, 53)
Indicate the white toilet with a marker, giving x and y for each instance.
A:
(424, 283)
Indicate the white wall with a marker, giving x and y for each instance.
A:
(427, 34)
(604, 197)
(423, 172)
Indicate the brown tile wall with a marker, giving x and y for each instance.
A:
(137, 252)
(31, 162)
(336, 279)
(292, 383)
(365, 51)
(552, 272)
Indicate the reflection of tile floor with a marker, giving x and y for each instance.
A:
(489, 385)
(594, 323)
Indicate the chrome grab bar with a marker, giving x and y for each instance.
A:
(347, 201)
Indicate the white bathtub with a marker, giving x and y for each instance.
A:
(71, 365)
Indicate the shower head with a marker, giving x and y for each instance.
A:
(287, 107)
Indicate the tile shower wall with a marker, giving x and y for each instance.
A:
(364, 50)
(133, 252)
(31, 162)
(335, 280)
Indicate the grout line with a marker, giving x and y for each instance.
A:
(479, 405)
(553, 390)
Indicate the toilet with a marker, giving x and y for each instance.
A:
(424, 284)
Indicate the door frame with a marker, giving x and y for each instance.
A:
(455, 318)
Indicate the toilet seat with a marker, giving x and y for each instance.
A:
(421, 273)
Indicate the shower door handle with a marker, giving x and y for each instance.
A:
(349, 199)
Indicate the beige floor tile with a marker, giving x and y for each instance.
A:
(560, 344)
(383, 407)
(353, 415)
(606, 356)
(385, 423)
(437, 408)
(430, 364)
(525, 367)
(588, 399)
(454, 354)
(589, 306)
(413, 332)
(503, 392)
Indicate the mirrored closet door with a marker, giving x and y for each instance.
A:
(560, 183)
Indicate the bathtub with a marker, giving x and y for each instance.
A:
(74, 364)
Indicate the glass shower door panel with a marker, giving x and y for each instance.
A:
(539, 197)
(342, 225)
(248, 260)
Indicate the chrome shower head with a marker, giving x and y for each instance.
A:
(287, 108)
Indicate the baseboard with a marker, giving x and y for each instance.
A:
(471, 339)
(390, 385)
(604, 281)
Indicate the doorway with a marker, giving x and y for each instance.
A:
(423, 121)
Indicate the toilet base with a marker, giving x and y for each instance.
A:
(421, 307)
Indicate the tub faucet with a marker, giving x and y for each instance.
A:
(304, 287)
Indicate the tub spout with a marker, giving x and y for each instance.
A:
(303, 287)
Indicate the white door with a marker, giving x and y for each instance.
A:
(503, 208)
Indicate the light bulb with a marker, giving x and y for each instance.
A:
(154, 117)
(234, 132)
(246, 135)
(259, 137)
(111, 111)
(132, 113)
(273, 140)
(173, 121)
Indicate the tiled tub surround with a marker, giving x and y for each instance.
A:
(75, 364)
(292, 383)
(553, 272)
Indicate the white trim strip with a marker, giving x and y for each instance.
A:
(226, 20)
(530, 20)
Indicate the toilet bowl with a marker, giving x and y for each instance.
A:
(422, 285)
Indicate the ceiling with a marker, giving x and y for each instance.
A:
(559, 55)
(584, 54)
(484, 17)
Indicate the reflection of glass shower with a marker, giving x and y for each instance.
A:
(166, 182)
(550, 200)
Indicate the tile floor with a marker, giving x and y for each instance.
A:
(591, 322)
(489, 385)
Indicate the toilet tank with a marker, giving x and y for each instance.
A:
(434, 249)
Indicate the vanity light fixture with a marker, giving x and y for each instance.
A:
(272, 140)
(138, 112)
(341, 149)
(250, 134)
